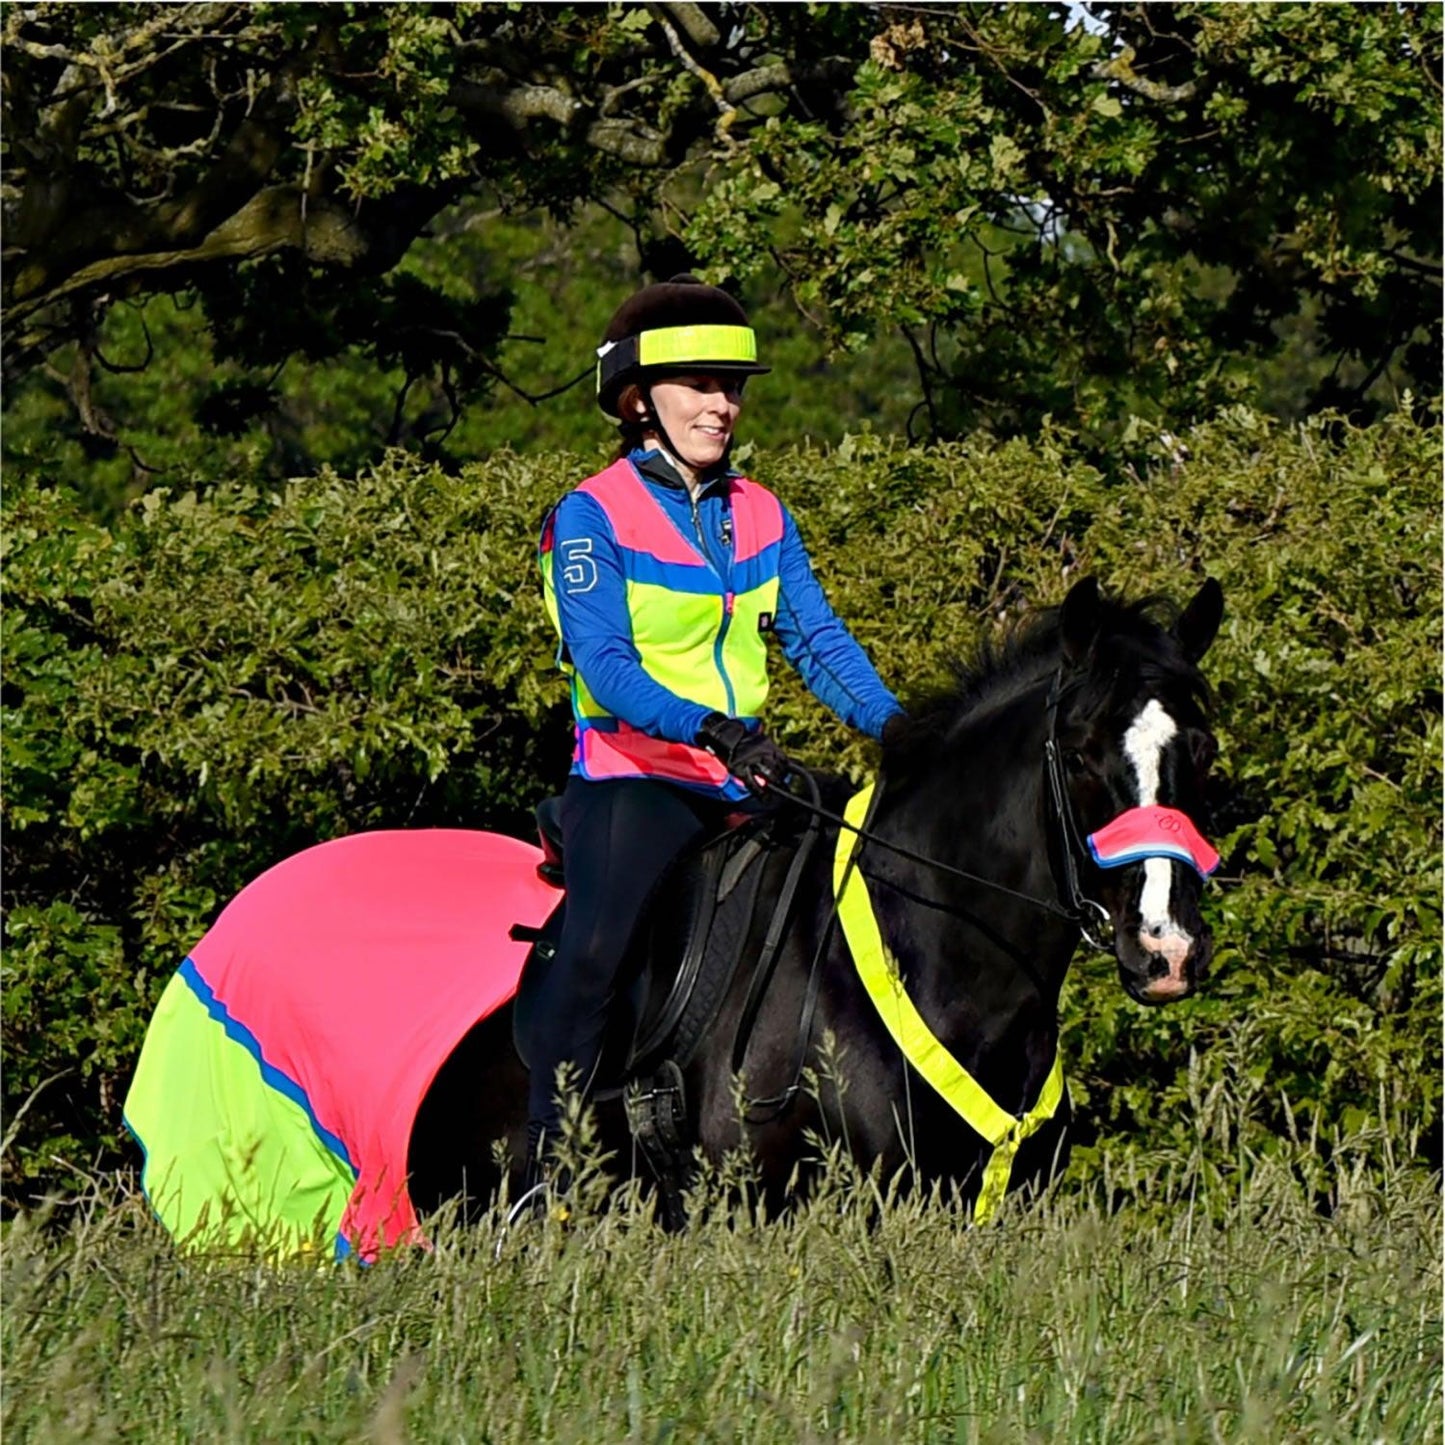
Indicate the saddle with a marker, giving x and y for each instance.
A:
(686, 952)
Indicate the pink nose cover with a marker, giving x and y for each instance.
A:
(1152, 832)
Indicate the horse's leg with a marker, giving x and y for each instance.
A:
(478, 1099)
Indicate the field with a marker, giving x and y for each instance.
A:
(300, 322)
(1185, 1306)
(1246, 1249)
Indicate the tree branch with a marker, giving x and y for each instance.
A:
(1425, 268)
(727, 112)
(487, 364)
(277, 218)
(769, 79)
(631, 141)
(700, 30)
(635, 143)
(1120, 68)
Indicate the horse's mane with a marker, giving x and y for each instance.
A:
(1002, 666)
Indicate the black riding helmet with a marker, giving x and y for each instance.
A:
(677, 325)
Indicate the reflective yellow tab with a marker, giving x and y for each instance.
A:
(878, 971)
(701, 344)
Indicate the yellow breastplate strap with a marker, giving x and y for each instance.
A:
(878, 970)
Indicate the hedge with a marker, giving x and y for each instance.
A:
(219, 680)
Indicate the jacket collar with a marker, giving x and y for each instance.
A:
(657, 466)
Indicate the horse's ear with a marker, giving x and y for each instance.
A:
(1079, 619)
(1199, 622)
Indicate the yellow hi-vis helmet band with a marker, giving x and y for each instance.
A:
(686, 345)
(707, 347)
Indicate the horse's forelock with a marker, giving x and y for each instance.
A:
(1148, 647)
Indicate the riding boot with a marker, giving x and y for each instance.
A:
(546, 1184)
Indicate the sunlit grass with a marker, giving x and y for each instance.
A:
(1204, 1309)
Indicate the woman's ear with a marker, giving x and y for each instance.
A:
(631, 407)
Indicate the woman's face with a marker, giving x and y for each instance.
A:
(698, 412)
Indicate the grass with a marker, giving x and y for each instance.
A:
(1198, 1310)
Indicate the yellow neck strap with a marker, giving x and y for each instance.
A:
(878, 970)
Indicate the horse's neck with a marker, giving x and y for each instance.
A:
(984, 963)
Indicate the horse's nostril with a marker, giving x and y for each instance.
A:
(1158, 965)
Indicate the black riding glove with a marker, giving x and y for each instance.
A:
(752, 757)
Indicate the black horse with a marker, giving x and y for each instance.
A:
(980, 882)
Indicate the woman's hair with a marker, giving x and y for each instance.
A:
(631, 408)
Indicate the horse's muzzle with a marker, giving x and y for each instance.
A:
(1163, 963)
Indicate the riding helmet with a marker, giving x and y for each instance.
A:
(677, 325)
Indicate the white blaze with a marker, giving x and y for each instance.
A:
(1144, 743)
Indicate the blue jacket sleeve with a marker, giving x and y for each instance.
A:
(822, 649)
(597, 628)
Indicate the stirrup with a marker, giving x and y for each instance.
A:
(657, 1116)
(534, 1204)
(527, 1205)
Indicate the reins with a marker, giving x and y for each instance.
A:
(937, 864)
(1082, 911)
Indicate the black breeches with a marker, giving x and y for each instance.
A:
(618, 838)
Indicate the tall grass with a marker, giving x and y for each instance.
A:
(1180, 1305)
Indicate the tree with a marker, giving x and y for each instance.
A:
(1148, 197)
(278, 161)
(1083, 220)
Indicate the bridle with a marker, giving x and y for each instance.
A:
(1085, 913)
(1072, 844)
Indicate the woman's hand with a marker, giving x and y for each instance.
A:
(750, 756)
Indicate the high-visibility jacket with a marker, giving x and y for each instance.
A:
(663, 601)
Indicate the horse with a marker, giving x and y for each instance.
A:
(916, 935)
(974, 862)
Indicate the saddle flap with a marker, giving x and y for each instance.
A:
(682, 959)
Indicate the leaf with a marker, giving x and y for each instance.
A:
(1006, 154)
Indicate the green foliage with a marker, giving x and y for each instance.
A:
(215, 682)
(1089, 223)
(1329, 710)
(206, 413)
(1246, 1316)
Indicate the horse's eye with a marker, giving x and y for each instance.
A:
(1074, 761)
(1204, 750)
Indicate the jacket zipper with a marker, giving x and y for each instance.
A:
(727, 617)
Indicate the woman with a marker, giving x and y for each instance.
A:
(664, 574)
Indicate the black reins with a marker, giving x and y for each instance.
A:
(1082, 911)
(1078, 912)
